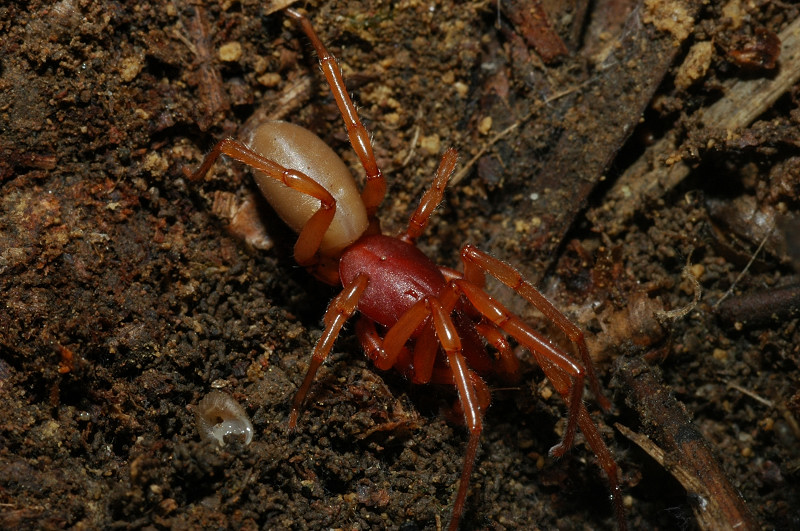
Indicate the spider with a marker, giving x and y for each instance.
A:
(430, 323)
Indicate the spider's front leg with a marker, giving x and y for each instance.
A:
(473, 394)
(565, 375)
(570, 379)
(477, 263)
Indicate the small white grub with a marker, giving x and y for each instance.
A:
(219, 417)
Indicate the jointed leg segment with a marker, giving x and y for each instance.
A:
(473, 394)
(339, 311)
(560, 371)
(544, 353)
(375, 186)
(433, 196)
(308, 241)
(477, 263)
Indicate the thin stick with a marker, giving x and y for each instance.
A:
(744, 271)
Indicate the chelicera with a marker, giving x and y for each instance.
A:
(430, 323)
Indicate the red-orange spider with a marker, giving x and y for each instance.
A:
(420, 319)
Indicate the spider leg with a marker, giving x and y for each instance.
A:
(339, 311)
(595, 441)
(310, 237)
(472, 401)
(571, 375)
(375, 186)
(432, 197)
(565, 376)
(473, 394)
(476, 263)
(507, 365)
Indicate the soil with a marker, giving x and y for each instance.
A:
(127, 294)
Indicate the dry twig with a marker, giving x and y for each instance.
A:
(680, 448)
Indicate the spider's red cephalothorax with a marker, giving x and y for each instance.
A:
(428, 322)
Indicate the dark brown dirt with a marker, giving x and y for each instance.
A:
(125, 299)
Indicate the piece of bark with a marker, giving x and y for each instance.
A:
(533, 25)
(589, 124)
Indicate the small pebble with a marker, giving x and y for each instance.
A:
(230, 52)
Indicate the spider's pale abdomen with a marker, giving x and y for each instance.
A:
(297, 148)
